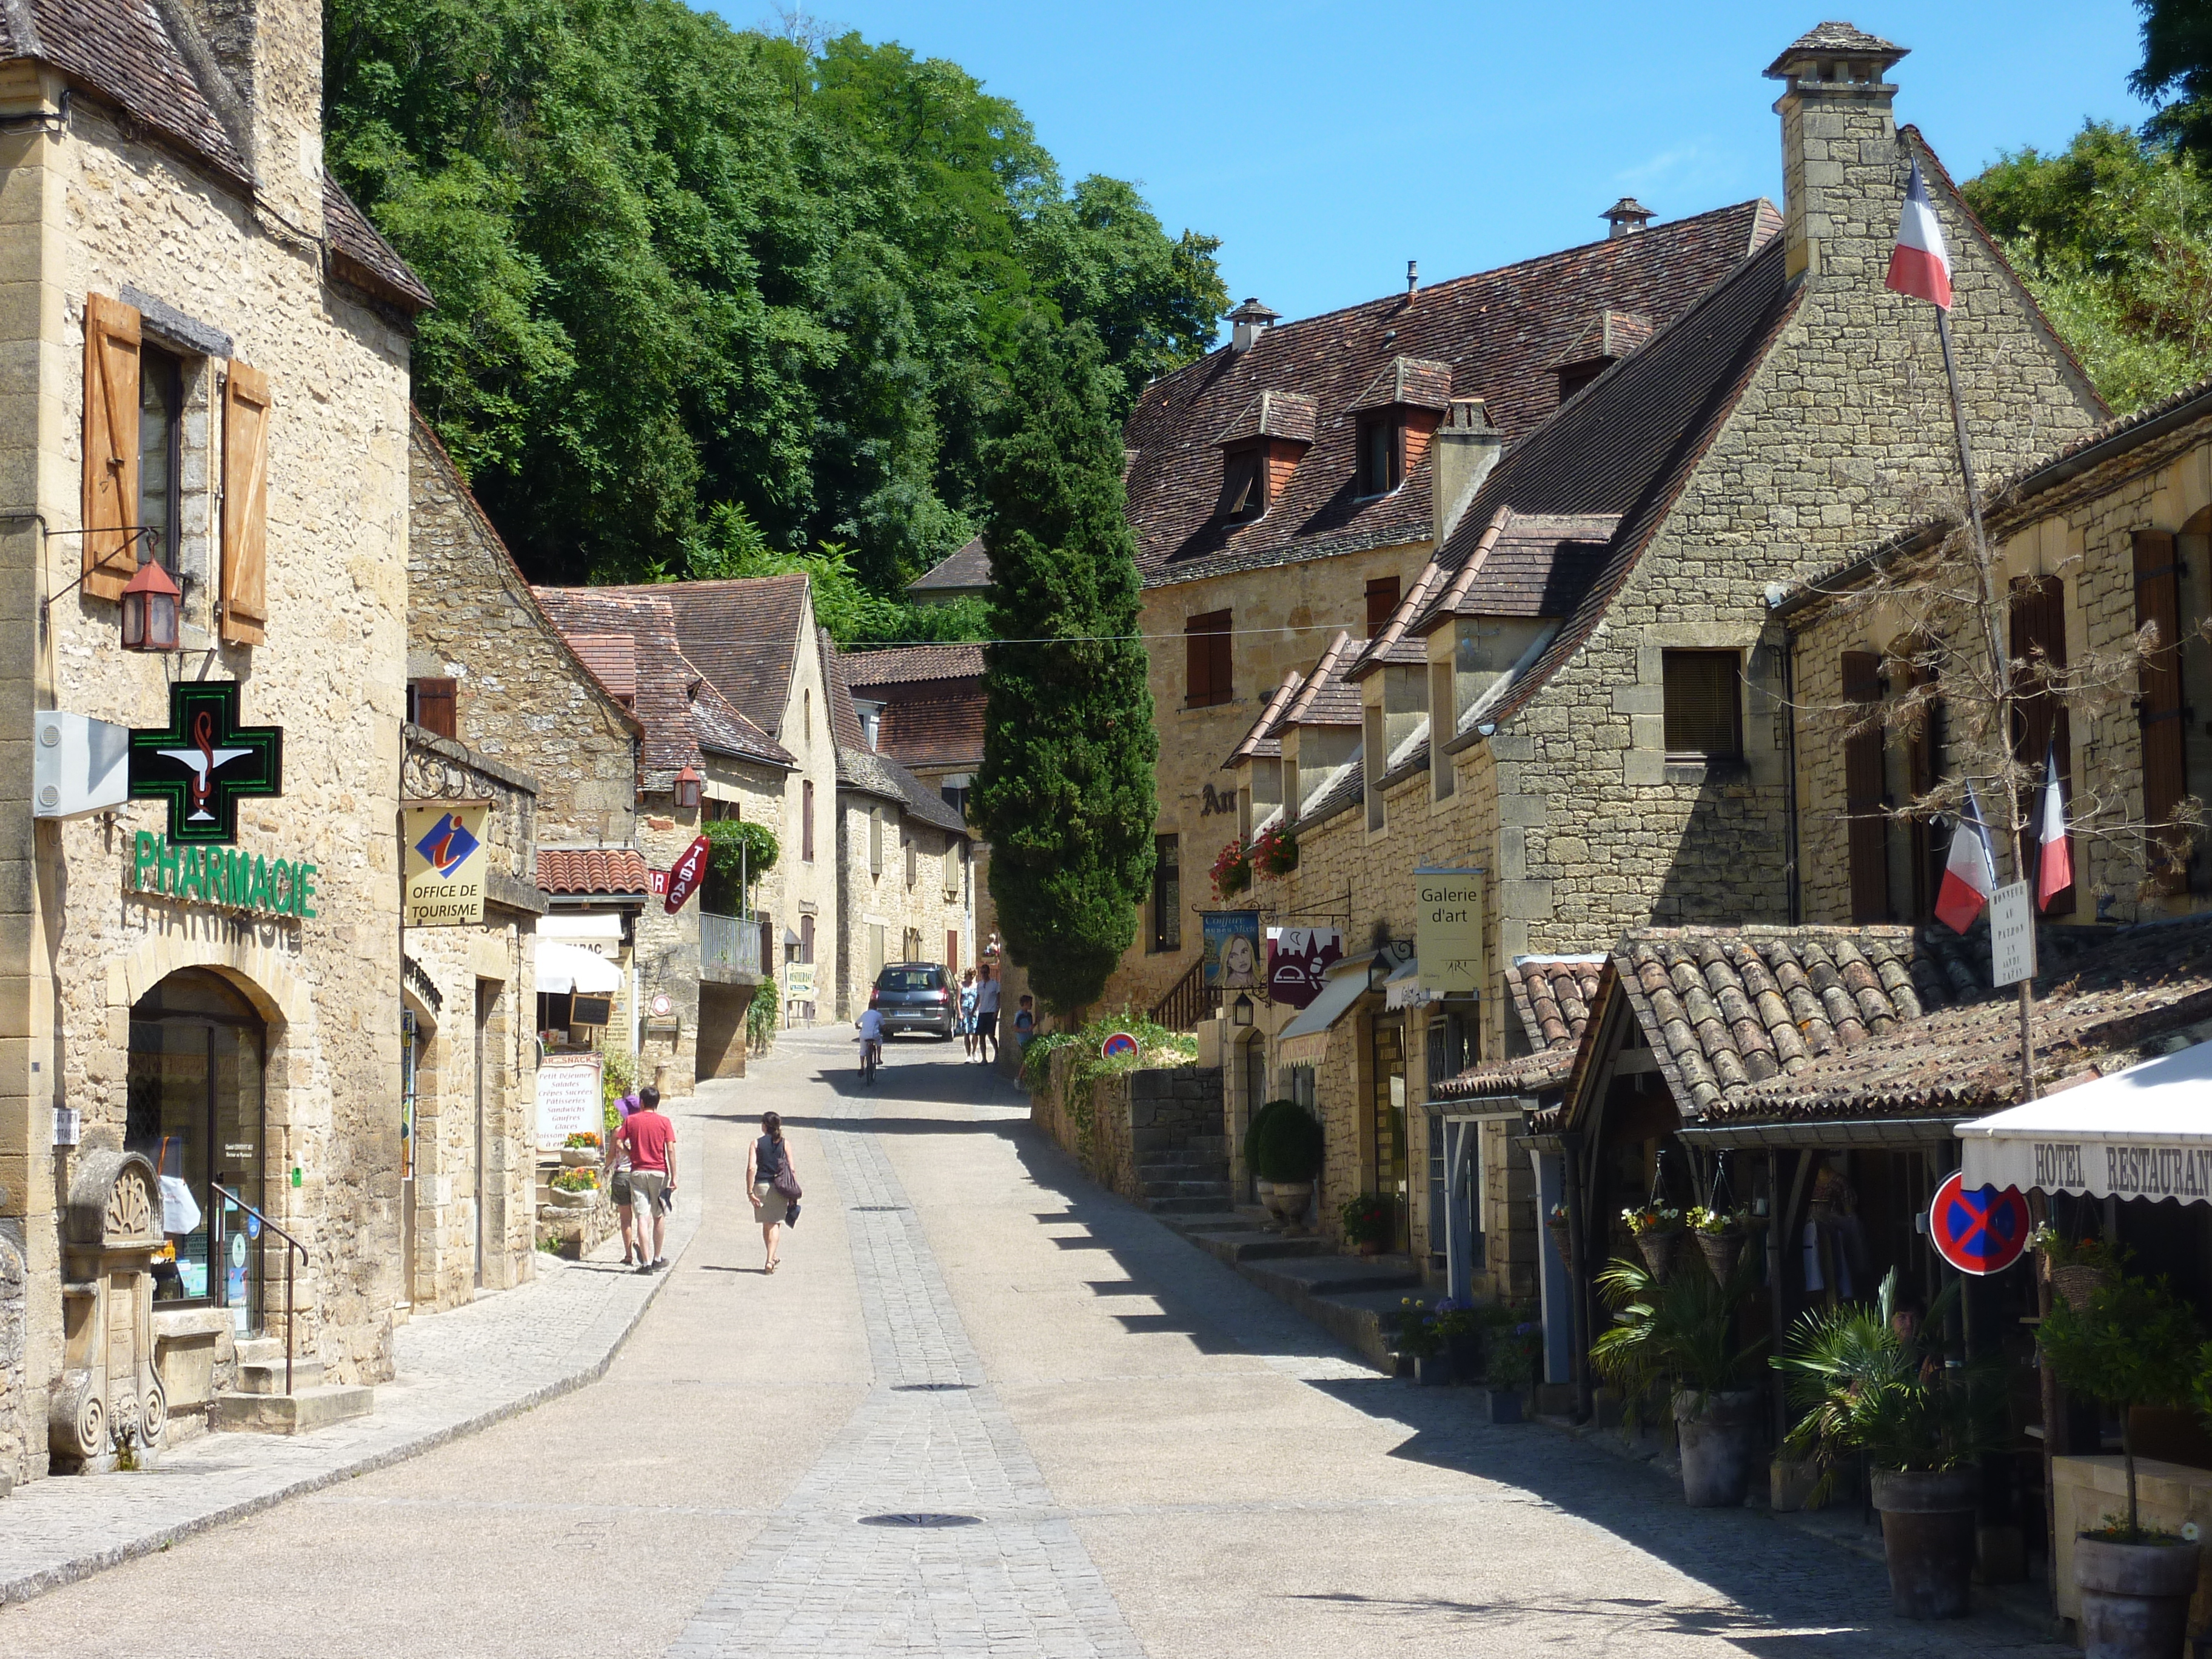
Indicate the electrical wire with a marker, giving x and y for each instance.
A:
(861, 647)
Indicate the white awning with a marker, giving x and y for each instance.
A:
(1305, 1040)
(565, 967)
(2143, 1133)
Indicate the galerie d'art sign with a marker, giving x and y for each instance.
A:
(204, 762)
(446, 859)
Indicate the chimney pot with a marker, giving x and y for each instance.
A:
(1413, 275)
(1247, 323)
(1626, 217)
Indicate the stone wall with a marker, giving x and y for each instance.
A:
(1175, 1102)
(872, 898)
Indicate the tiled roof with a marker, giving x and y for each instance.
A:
(1499, 332)
(745, 633)
(122, 50)
(590, 870)
(1261, 742)
(1272, 415)
(1537, 565)
(968, 567)
(900, 664)
(613, 657)
(360, 255)
(1325, 698)
(869, 770)
(1841, 39)
(683, 711)
(2101, 998)
(1554, 996)
(1609, 333)
(1414, 382)
(933, 730)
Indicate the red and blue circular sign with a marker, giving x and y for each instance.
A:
(1981, 1230)
(1118, 1044)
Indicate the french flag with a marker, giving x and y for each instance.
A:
(1970, 873)
(2054, 861)
(1919, 265)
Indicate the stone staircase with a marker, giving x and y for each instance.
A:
(1181, 1174)
(259, 1405)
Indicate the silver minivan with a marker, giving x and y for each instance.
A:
(915, 996)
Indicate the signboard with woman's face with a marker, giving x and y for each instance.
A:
(1232, 951)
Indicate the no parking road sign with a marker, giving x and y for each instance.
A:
(1981, 1230)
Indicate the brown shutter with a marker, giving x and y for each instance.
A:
(245, 504)
(110, 444)
(435, 707)
(1205, 660)
(1381, 601)
(2165, 778)
(1919, 779)
(1862, 792)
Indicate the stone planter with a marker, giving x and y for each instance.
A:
(561, 1200)
(2135, 1597)
(1502, 1405)
(1659, 1248)
(1927, 1539)
(1433, 1369)
(1717, 1433)
(1286, 1202)
(1370, 1246)
(580, 1158)
(1791, 1485)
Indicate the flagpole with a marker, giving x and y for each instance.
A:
(2000, 659)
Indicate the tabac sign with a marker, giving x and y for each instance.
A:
(204, 762)
(446, 857)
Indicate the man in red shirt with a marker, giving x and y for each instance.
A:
(650, 1141)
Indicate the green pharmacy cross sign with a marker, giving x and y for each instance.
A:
(204, 762)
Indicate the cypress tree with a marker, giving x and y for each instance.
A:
(1065, 797)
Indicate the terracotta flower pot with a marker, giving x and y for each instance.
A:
(1927, 1539)
(1661, 1247)
(2135, 1597)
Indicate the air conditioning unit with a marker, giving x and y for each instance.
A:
(79, 765)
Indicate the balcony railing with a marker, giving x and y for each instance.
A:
(729, 944)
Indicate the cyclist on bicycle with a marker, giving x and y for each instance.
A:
(872, 1040)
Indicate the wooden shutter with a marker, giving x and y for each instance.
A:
(1868, 830)
(1920, 767)
(2040, 723)
(110, 444)
(435, 707)
(1205, 658)
(1381, 600)
(2165, 777)
(244, 505)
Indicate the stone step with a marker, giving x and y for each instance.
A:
(301, 1413)
(1218, 1191)
(1182, 1160)
(1213, 1175)
(260, 1350)
(267, 1376)
(1200, 1206)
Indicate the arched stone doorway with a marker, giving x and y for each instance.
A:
(198, 1114)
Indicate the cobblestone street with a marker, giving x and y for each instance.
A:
(982, 1408)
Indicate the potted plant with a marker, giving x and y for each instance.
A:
(1233, 869)
(1657, 1230)
(1275, 852)
(1720, 1235)
(1420, 1342)
(1679, 1331)
(1867, 1386)
(2131, 1342)
(581, 1150)
(2079, 1269)
(575, 1189)
(1509, 1346)
(1460, 1324)
(1366, 1222)
(1283, 1149)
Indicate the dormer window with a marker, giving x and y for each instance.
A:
(1603, 340)
(1244, 484)
(1261, 448)
(1381, 455)
(1393, 420)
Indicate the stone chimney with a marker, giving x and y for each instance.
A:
(1840, 169)
(1249, 321)
(1626, 217)
(1462, 451)
(268, 55)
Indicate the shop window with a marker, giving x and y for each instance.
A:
(1703, 706)
(1167, 893)
(1206, 660)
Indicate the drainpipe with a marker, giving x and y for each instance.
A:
(1577, 1277)
(1790, 774)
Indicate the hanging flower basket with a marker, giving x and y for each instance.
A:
(1232, 869)
(1556, 1225)
(1721, 1235)
(2078, 1270)
(1658, 1232)
(1275, 853)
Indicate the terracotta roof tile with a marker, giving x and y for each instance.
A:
(1327, 698)
(870, 770)
(904, 664)
(745, 633)
(1261, 742)
(1553, 997)
(613, 657)
(1289, 415)
(1498, 331)
(1410, 382)
(1607, 334)
(590, 870)
(943, 731)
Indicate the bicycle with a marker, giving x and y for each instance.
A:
(871, 1057)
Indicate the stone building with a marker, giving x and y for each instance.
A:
(1581, 695)
(207, 359)
(906, 879)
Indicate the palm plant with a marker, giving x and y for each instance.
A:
(1680, 1330)
(1863, 1386)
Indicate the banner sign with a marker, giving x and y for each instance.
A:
(1298, 959)
(228, 879)
(1448, 932)
(204, 762)
(569, 1100)
(446, 860)
(658, 881)
(686, 873)
(1232, 950)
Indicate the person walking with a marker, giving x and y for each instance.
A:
(968, 1010)
(634, 1239)
(767, 1167)
(987, 1013)
(649, 1139)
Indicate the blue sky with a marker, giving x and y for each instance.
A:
(1328, 143)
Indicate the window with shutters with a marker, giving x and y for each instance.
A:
(1167, 894)
(1382, 456)
(160, 456)
(244, 505)
(1868, 837)
(1381, 600)
(432, 705)
(1206, 650)
(2161, 707)
(2042, 731)
(1703, 705)
(1244, 483)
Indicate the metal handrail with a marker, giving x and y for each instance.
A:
(294, 1245)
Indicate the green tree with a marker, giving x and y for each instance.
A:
(2177, 66)
(1065, 795)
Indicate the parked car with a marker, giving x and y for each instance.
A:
(915, 996)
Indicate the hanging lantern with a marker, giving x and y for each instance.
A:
(150, 606)
(687, 790)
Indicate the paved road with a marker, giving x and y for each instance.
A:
(980, 1409)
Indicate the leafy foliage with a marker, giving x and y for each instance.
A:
(681, 267)
(2135, 1345)
(729, 543)
(1861, 1386)
(1284, 1142)
(761, 1016)
(2114, 236)
(1679, 1331)
(1065, 794)
(2178, 61)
